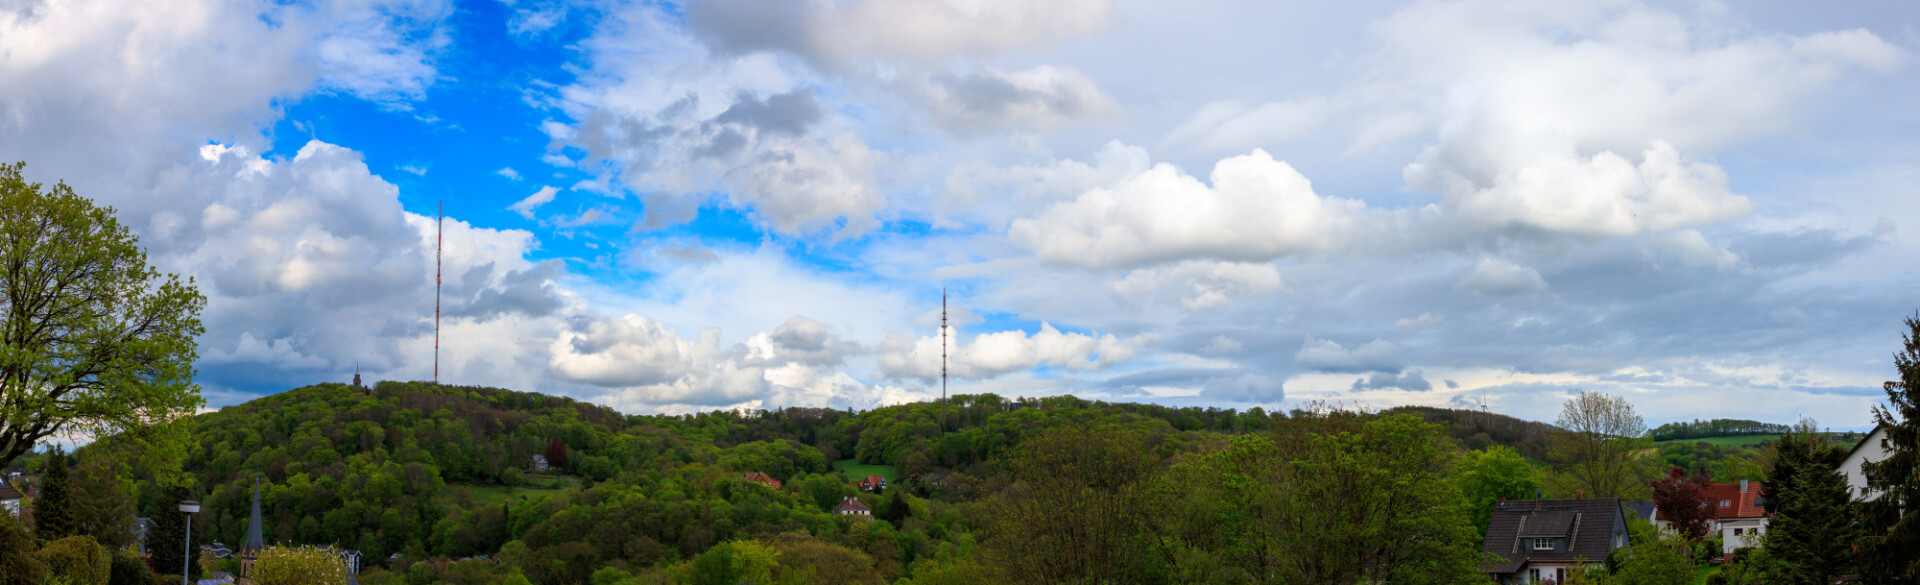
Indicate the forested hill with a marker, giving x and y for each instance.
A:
(433, 471)
(1478, 429)
(444, 473)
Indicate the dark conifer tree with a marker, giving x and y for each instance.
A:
(1890, 533)
(1810, 537)
(53, 510)
(165, 541)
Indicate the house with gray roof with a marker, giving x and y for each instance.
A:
(1545, 541)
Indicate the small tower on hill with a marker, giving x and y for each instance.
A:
(255, 543)
(356, 378)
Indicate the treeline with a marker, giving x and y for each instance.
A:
(1719, 427)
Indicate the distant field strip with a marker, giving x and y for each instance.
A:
(856, 470)
(1733, 441)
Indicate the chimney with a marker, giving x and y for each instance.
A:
(1580, 495)
(1743, 486)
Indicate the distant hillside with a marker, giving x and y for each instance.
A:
(1476, 429)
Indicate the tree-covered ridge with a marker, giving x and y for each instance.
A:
(983, 489)
(1719, 427)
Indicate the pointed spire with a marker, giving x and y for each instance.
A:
(255, 540)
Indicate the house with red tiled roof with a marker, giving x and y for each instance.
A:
(852, 507)
(1738, 514)
(872, 483)
(1545, 541)
(763, 479)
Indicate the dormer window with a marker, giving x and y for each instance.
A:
(1725, 503)
(1542, 544)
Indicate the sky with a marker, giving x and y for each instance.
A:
(668, 207)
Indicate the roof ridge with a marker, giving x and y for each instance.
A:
(1574, 540)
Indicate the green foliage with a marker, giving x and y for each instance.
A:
(1659, 560)
(78, 560)
(1600, 451)
(299, 565)
(93, 340)
(166, 543)
(735, 562)
(53, 511)
(18, 564)
(102, 507)
(1719, 427)
(1889, 544)
(1810, 535)
(1485, 477)
(127, 570)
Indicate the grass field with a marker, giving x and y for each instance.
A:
(537, 485)
(855, 470)
(1733, 441)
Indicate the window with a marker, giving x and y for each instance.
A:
(1725, 503)
(1542, 544)
(1736, 532)
(1535, 574)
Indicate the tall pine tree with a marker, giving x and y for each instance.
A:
(53, 510)
(1890, 542)
(1810, 536)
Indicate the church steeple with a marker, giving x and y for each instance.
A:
(256, 542)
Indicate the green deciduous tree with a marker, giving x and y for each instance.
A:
(78, 560)
(93, 340)
(1809, 539)
(1598, 450)
(1488, 476)
(1654, 559)
(102, 507)
(1890, 522)
(53, 512)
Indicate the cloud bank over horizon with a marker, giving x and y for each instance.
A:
(684, 206)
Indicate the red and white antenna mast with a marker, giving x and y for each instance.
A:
(439, 241)
(943, 345)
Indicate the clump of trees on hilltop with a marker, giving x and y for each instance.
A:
(1719, 427)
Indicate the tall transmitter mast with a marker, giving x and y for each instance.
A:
(943, 345)
(439, 241)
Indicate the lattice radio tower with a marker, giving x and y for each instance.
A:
(439, 241)
(943, 345)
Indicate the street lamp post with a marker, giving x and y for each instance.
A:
(186, 563)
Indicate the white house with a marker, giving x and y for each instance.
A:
(1872, 448)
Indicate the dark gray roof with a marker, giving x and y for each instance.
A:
(256, 541)
(8, 493)
(1548, 523)
(1642, 509)
(1587, 524)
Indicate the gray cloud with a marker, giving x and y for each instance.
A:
(1410, 380)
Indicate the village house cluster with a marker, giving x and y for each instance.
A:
(1545, 541)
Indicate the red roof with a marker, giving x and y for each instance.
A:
(852, 506)
(1728, 500)
(763, 479)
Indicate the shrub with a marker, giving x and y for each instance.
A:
(18, 564)
(127, 570)
(78, 560)
(298, 565)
